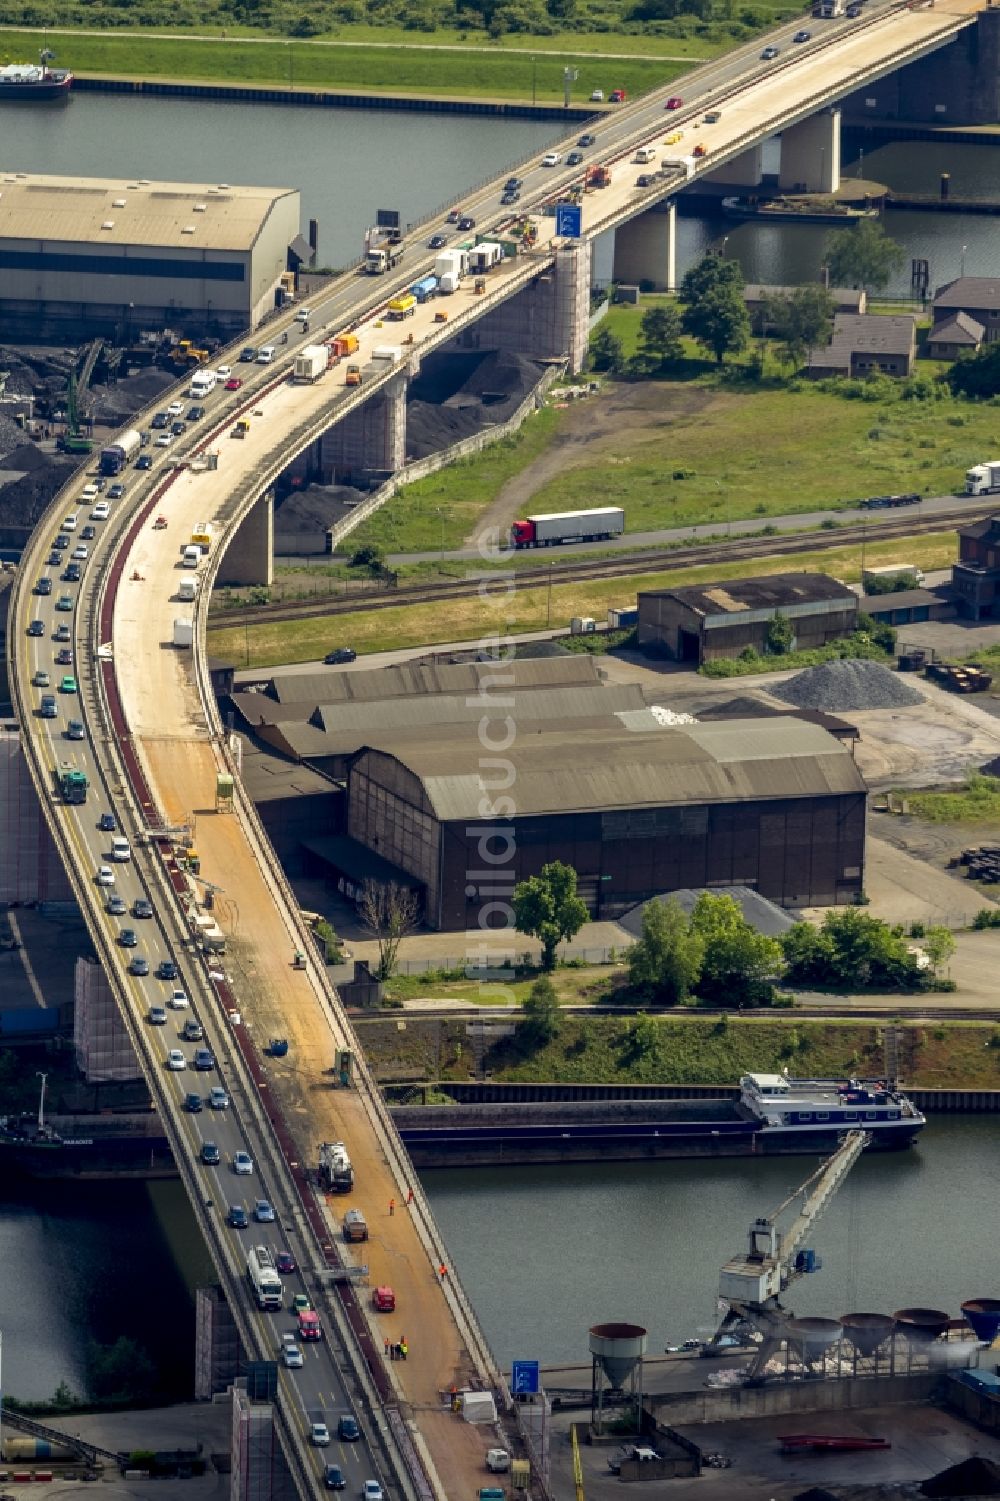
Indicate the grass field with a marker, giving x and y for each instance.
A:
(677, 453)
(409, 69)
(475, 617)
(977, 802)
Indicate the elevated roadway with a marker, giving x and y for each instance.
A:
(154, 749)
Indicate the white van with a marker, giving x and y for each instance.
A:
(187, 588)
(265, 355)
(191, 557)
(303, 315)
(645, 154)
(120, 848)
(70, 521)
(203, 383)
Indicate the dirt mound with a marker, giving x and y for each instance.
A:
(848, 684)
(971, 1477)
(487, 392)
(115, 404)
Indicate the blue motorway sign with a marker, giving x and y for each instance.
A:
(524, 1378)
(569, 221)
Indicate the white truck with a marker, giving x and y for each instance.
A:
(449, 268)
(386, 354)
(336, 1174)
(686, 165)
(203, 383)
(183, 632)
(262, 1275)
(983, 479)
(187, 589)
(568, 526)
(311, 363)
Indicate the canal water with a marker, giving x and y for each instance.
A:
(548, 1251)
(543, 1252)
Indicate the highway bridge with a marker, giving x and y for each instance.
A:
(158, 757)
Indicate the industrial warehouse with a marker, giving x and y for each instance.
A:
(81, 257)
(704, 622)
(599, 778)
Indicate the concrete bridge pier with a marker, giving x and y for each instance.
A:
(743, 171)
(249, 558)
(646, 248)
(547, 320)
(370, 442)
(810, 155)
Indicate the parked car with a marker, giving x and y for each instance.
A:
(340, 655)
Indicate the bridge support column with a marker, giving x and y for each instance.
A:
(547, 320)
(249, 557)
(646, 249)
(370, 442)
(744, 171)
(259, 1471)
(810, 154)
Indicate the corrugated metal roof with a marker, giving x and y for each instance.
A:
(75, 211)
(565, 771)
(407, 678)
(554, 704)
(770, 591)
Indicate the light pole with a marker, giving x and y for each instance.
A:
(548, 602)
(964, 249)
(570, 75)
(41, 1101)
(439, 513)
(725, 242)
(534, 74)
(291, 68)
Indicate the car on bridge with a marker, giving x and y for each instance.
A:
(284, 1262)
(347, 1428)
(193, 1103)
(47, 708)
(319, 1433)
(574, 158)
(141, 907)
(242, 1164)
(219, 1100)
(437, 242)
(102, 510)
(291, 1355)
(75, 730)
(769, 54)
(195, 414)
(233, 383)
(371, 1491)
(116, 906)
(551, 159)
(105, 876)
(144, 461)
(71, 573)
(64, 657)
(178, 1000)
(210, 1155)
(192, 1031)
(36, 628)
(40, 680)
(263, 1211)
(55, 558)
(167, 970)
(237, 1217)
(176, 1060)
(106, 823)
(333, 1478)
(587, 139)
(62, 630)
(161, 420)
(466, 222)
(64, 603)
(139, 967)
(157, 1016)
(164, 440)
(204, 1059)
(175, 408)
(67, 684)
(802, 36)
(128, 938)
(89, 533)
(674, 102)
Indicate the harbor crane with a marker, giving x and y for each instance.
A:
(751, 1285)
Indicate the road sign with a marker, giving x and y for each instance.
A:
(524, 1378)
(569, 221)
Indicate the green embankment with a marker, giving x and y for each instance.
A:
(695, 1050)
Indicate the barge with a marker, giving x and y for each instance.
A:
(34, 83)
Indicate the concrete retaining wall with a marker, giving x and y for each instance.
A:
(730, 1403)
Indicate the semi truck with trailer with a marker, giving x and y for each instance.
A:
(119, 453)
(382, 255)
(424, 289)
(403, 306)
(311, 363)
(336, 1174)
(263, 1278)
(983, 479)
(686, 165)
(568, 526)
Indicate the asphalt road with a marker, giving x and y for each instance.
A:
(320, 1392)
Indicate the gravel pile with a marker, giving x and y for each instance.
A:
(113, 405)
(439, 413)
(848, 684)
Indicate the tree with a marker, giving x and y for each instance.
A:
(714, 312)
(850, 950)
(547, 907)
(799, 321)
(740, 964)
(122, 1372)
(862, 256)
(779, 637)
(977, 375)
(389, 911)
(540, 1015)
(660, 335)
(606, 352)
(666, 961)
(939, 945)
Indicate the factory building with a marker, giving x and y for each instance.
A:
(707, 621)
(88, 257)
(775, 804)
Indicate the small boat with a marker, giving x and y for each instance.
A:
(829, 1443)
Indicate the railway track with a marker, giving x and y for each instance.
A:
(625, 566)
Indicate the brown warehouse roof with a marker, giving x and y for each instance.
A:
(566, 771)
(767, 593)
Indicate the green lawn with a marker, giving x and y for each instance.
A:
(472, 618)
(406, 69)
(977, 802)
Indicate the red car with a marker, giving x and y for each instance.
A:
(674, 102)
(233, 383)
(284, 1261)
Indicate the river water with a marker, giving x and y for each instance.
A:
(548, 1251)
(543, 1252)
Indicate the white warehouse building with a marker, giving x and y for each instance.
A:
(82, 257)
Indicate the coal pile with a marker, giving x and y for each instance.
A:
(114, 405)
(302, 519)
(490, 392)
(848, 684)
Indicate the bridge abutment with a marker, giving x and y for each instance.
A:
(249, 558)
(370, 442)
(810, 154)
(646, 248)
